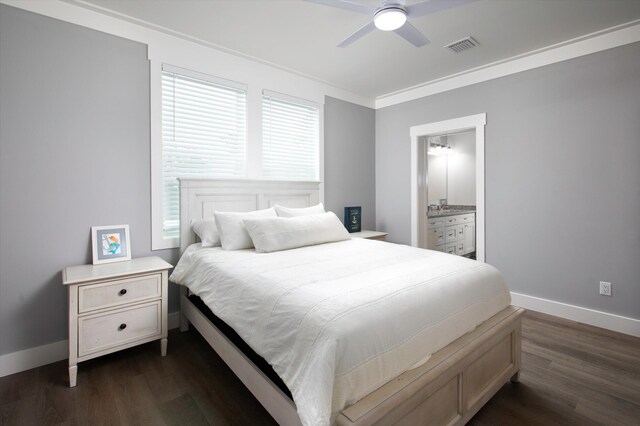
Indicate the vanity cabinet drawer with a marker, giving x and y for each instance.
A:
(113, 293)
(435, 222)
(101, 332)
(467, 218)
(451, 234)
(451, 220)
(435, 237)
(455, 248)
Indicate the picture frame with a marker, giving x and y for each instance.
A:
(110, 244)
(352, 218)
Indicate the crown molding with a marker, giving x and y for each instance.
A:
(591, 43)
(157, 37)
(100, 19)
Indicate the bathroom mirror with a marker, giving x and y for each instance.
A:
(451, 169)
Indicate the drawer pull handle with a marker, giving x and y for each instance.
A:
(122, 327)
(122, 292)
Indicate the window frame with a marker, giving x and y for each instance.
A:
(256, 86)
(158, 239)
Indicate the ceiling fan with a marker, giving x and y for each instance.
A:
(392, 16)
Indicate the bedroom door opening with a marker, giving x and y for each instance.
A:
(422, 137)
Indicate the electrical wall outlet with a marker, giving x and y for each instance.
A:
(605, 288)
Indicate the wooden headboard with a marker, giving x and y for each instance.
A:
(199, 198)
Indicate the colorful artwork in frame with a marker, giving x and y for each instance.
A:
(110, 243)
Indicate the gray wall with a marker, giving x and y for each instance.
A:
(562, 175)
(349, 161)
(74, 152)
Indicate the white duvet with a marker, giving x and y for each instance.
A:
(336, 321)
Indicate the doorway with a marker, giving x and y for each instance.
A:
(420, 137)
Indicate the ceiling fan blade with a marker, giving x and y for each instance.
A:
(363, 31)
(412, 35)
(346, 5)
(433, 6)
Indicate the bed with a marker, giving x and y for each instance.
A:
(314, 314)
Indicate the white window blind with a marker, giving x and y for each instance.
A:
(203, 134)
(290, 138)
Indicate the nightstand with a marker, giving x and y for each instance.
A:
(115, 306)
(370, 235)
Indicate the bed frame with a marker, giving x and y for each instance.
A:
(447, 390)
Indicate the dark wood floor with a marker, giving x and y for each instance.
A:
(572, 374)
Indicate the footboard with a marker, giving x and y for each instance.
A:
(453, 385)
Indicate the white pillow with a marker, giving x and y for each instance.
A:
(207, 231)
(289, 212)
(233, 234)
(283, 233)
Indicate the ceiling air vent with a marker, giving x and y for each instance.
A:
(462, 45)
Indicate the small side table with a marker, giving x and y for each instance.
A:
(115, 306)
(370, 235)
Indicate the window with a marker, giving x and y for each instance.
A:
(290, 138)
(203, 134)
(208, 127)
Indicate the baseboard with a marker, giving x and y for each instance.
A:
(27, 359)
(600, 319)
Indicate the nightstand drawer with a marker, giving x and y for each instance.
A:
(105, 331)
(114, 293)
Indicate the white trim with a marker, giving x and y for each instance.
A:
(591, 43)
(477, 122)
(293, 99)
(26, 359)
(157, 37)
(621, 324)
(205, 77)
(321, 154)
(166, 47)
(158, 241)
(163, 40)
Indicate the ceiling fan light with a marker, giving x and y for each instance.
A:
(390, 19)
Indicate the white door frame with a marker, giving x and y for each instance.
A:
(477, 121)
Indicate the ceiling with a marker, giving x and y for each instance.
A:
(302, 36)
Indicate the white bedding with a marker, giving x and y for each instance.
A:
(336, 321)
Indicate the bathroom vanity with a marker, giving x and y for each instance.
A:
(452, 231)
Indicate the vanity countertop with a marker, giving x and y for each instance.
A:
(448, 212)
